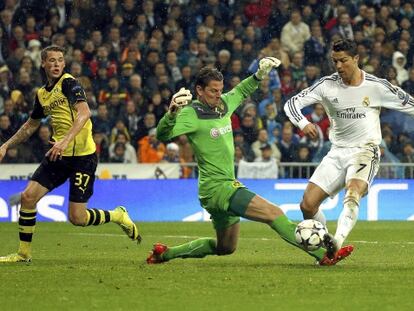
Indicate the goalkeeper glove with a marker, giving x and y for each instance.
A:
(179, 99)
(266, 64)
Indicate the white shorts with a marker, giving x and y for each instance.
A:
(342, 164)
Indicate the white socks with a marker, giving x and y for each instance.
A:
(320, 216)
(346, 221)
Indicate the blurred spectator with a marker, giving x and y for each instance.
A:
(102, 61)
(303, 156)
(6, 17)
(408, 85)
(186, 80)
(156, 106)
(148, 122)
(315, 48)
(239, 155)
(398, 62)
(288, 145)
(101, 142)
(129, 155)
(344, 27)
(34, 49)
(102, 121)
(150, 150)
(247, 149)
(295, 33)
(119, 127)
(172, 155)
(6, 130)
(407, 156)
(279, 18)
(265, 154)
(388, 157)
(186, 151)
(13, 156)
(41, 143)
(258, 12)
(263, 139)
(119, 154)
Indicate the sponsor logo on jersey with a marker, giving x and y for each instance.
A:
(350, 113)
(216, 132)
(335, 101)
(365, 101)
(53, 105)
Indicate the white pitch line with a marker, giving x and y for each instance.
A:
(241, 238)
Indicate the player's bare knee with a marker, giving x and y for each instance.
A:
(228, 250)
(28, 200)
(308, 208)
(352, 197)
(77, 219)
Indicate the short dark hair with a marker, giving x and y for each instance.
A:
(53, 48)
(345, 45)
(206, 75)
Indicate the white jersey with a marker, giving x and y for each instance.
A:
(353, 111)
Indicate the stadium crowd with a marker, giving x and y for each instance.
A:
(131, 56)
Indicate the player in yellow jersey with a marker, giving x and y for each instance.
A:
(72, 155)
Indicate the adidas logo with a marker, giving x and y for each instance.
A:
(335, 101)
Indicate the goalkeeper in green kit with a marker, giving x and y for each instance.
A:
(206, 122)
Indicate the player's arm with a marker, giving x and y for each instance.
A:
(179, 119)
(295, 104)
(77, 98)
(393, 97)
(246, 87)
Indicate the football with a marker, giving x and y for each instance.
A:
(309, 234)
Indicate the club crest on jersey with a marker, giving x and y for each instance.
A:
(216, 132)
(365, 101)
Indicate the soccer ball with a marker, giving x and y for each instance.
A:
(309, 234)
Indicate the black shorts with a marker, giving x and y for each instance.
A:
(80, 170)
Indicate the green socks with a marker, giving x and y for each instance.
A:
(195, 249)
(286, 229)
(206, 246)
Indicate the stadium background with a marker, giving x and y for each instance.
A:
(132, 55)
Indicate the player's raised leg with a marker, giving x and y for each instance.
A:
(261, 210)
(27, 222)
(79, 215)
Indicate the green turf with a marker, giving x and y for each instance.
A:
(100, 269)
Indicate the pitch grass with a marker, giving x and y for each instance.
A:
(100, 269)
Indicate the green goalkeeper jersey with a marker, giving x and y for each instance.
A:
(210, 134)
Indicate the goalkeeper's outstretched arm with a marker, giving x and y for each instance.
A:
(171, 125)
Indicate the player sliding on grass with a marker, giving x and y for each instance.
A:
(71, 156)
(352, 99)
(206, 122)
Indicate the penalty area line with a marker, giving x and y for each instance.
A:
(241, 238)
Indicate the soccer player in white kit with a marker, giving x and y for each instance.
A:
(352, 99)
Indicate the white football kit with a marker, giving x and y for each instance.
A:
(355, 130)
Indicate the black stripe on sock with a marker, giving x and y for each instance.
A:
(25, 237)
(107, 216)
(27, 222)
(27, 214)
(91, 217)
(98, 217)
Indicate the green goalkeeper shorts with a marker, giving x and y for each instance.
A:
(228, 202)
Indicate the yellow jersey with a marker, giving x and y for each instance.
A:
(57, 101)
